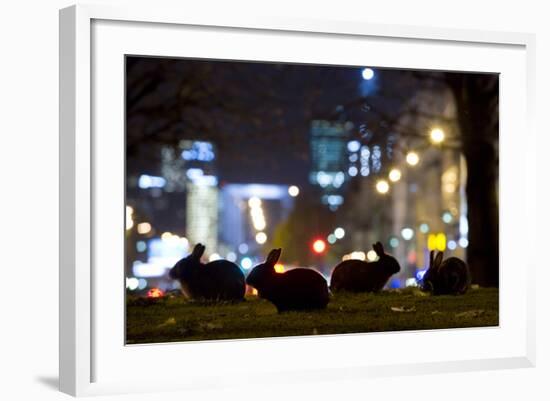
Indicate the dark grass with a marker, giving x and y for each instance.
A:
(175, 319)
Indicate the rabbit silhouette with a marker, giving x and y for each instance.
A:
(295, 290)
(217, 280)
(360, 276)
(446, 277)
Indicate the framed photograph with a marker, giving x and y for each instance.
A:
(290, 199)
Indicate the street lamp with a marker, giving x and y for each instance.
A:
(382, 186)
(437, 136)
(368, 73)
(293, 191)
(394, 175)
(412, 158)
(261, 238)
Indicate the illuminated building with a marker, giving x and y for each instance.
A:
(329, 162)
(202, 212)
(240, 226)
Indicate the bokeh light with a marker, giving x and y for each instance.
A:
(394, 175)
(293, 191)
(319, 246)
(437, 135)
(339, 233)
(382, 186)
(261, 238)
(412, 158)
(367, 73)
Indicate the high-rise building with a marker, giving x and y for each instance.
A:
(328, 144)
(202, 212)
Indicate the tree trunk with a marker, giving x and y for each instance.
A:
(477, 110)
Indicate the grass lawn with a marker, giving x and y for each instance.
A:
(175, 319)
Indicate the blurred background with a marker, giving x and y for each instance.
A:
(322, 161)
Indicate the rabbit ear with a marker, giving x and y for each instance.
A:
(378, 248)
(198, 250)
(438, 259)
(431, 259)
(273, 256)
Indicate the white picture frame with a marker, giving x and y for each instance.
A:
(82, 344)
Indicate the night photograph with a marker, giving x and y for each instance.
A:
(272, 199)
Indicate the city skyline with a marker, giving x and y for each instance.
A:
(364, 164)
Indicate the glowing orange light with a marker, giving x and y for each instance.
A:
(155, 293)
(319, 246)
(279, 268)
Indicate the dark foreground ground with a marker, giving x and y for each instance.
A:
(175, 319)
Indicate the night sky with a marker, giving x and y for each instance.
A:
(257, 114)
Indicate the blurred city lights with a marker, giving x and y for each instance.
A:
(352, 171)
(338, 179)
(407, 233)
(437, 135)
(166, 235)
(333, 200)
(142, 284)
(394, 175)
(257, 213)
(243, 248)
(260, 224)
(231, 256)
(354, 146)
(447, 217)
(254, 202)
(424, 228)
(451, 245)
(367, 73)
(437, 242)
(155, 293)
(293, 191)
(132, 283)
(194, 173)
(149, 181)
(184, 241)
(141, 246)
(214, 257)
(394, 242)
(319, 246)
(371, 256)
(463, 242)
(129, 217)
(420, 274)
(331, 238)
(411, 257)
(144, 228)
(246, 263)
(199, 151)
(441, 242)
(411, 282)
(355, 255)
(382, 186)
(339, 233)
(279, 268)
(261, 238)
(412, 158)
(463, 225)
(150, 269)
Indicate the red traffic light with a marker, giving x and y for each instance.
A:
(319, 246)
